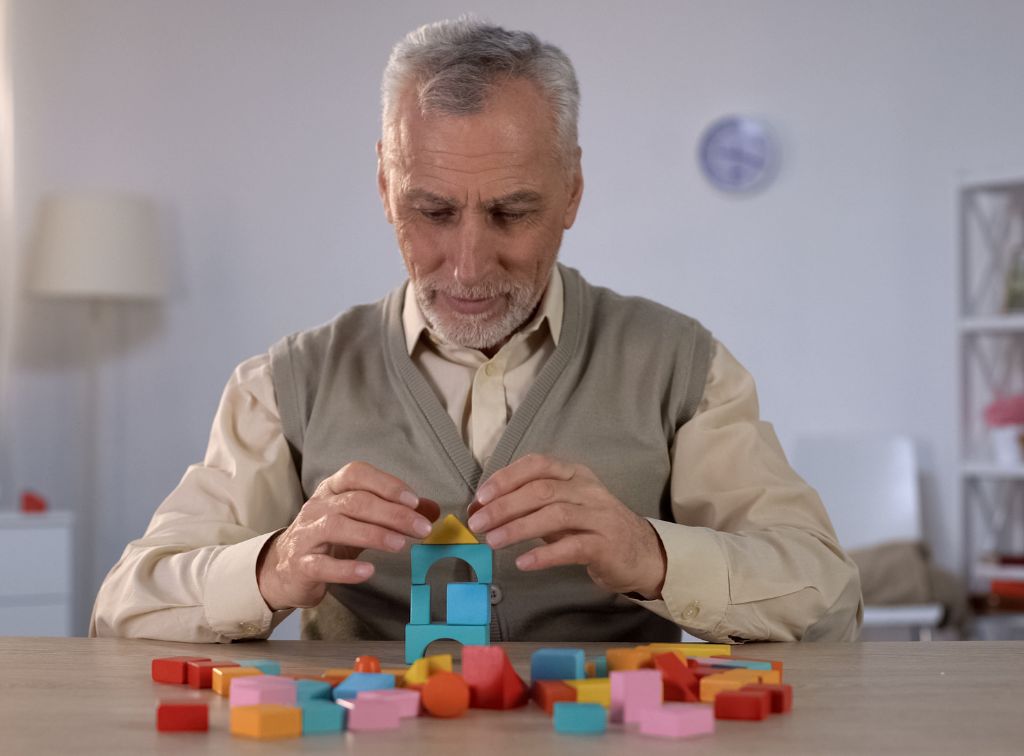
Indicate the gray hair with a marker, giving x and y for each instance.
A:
(454, 66)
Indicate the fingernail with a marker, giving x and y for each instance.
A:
(477, 522)
(394, 542)
(485, 494)
(422, 528)
(497, 538)
(409, 499)
(364, 570)
(526, 560)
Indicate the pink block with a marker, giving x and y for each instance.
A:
(632, 691)
(367, 714)
(678, 720)
(262, 689)
(407, 701)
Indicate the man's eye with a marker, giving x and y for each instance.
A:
(437, 216)
(506, 216)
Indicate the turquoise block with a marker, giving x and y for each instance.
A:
(739, 664)
(419, 605)
(311, 690)
(557, 664)
(479, 556)
(468, 604)
(601, 666)
(322, 717)
(580, 718)
(266, 666)
(418, 637)
(352, 685)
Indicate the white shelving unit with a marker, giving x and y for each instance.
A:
(991, 358)
(35, 573)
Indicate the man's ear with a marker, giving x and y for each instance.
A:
(382, 182)
(575, 191)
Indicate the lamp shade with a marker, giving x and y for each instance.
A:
(98, 246)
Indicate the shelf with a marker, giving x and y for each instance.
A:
(992, 571)
(992, 470)
(993, 324)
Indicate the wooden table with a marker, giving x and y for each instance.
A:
(82, 696)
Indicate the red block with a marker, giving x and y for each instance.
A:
(548, 692)
(367, 664)
(182, 716)
(514, 692)
(200, 674)
(678, 680)
(742, 704)
(493, 682)
(171, 669)
(782, 696)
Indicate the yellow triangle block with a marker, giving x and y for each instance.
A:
(450, 530)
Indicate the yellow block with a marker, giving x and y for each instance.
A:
(592, 690)
(450, 530)
(222, 677)
(267, 721)
(682, 650)
(712, 685)
(421, 669)
(627, 658)
(768, 676)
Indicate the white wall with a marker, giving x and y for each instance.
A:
(254, 123)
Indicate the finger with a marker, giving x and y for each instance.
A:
(526, 499)
(362, 476)
(338, 530)
(429, 509)
(522, 471)
(580, 548)
(546, 522)
(366, 507)
(321, 568)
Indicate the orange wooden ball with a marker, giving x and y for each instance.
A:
(367, 664)
(445, 694)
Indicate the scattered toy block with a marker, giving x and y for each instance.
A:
(548, 692)
(450, 530)
(684, 650)
(322, 717)
(593, 690)
(200, 673)
(367, 664)
(679, 683)
(360, 681)
(781, 695)
(768, 676)
(405, 701)
(335, 675)
(419, 605)
(423, 668)
(419, 637)
(678, 720)
(493, 681)
(267, 721)
(313, 690)
(514, 691)
(262, 689)
(266, 666)
(445, 694)
(557, 664)
(733, 663)
(479, 556)
(222, 677)
(182, 715)
(468, 604)
(713, 685)
(597, 667)
(632, 691)
(750, 705)
(371, 715)
(172, 670)
(580, 718)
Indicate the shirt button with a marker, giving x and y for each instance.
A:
(496, 595)
(692, 610)
(489, 369)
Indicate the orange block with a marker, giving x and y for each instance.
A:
(267, 721)
(445, 694)
(712, 685)
(367, 664)
(627, 658)
(547, 692)
(335, 675)
(682, 650)
(222, 677)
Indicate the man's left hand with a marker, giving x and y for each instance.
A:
(581, 522)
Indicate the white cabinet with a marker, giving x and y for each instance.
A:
(35, 573)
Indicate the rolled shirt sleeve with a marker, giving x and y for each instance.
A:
(751, 554)
(192, 575)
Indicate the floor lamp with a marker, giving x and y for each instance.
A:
(101, 248)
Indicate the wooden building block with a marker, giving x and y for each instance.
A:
(419, 605)
(712, 685)
(514, 691)
(781, 695)
(371, 715)
(632, 691)
(742, 704)
(627, 658)
(262, 689)
(360, 681)
(266, 666)
(405, 700)
(768, 676)
(596, 667)
(557, 664)
(182, 715)
(200, 673)
(321, 717)
(479, 556)
(423, 668)
(468, 604)
(313, 690)
(222, 677)
(678, 681)
(684, 650)
(172, 670)
(367, 664)
(593, 690)
(579, 718)
(547, 692)
(733, 663)
(336, 675)
(419, 637)
(678, 720)
(266, 722)
(493, 681)
(449, 530)
(445, 694)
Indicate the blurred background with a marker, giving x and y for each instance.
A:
(848, 285)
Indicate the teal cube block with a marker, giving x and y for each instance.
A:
(266, 666)
(601, 666)
(479, 556)
(468, 604)
(419, 605)
(574, 718)
(357, 682)
(312, 690)
(322, 717)
(557, 664)
(418, 637)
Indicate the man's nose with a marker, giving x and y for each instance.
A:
(474, 255)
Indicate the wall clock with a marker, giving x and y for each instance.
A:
(738, 154)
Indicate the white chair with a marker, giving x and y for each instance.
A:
(869, 487)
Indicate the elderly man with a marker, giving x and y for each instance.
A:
(608, 448)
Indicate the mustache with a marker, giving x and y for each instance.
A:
(480, 291)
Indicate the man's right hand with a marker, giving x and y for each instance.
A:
(359, 507)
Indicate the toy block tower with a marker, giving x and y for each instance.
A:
(468, 618)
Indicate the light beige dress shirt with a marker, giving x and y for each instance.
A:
(192, 576)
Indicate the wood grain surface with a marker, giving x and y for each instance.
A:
(95, 696)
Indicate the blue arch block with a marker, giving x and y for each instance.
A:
(418, 637)
(479, 556)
